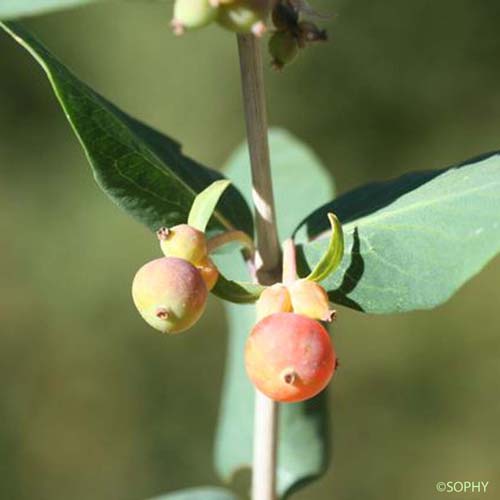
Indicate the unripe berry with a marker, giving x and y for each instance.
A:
(209, 272)
(170, 294)
(183, 241)
(273, 299)
(283, 48)
(289, 357)
(244, 16)
(191, 14)
(311, 300)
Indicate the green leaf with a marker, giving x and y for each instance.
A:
(412, 242)
(204, 204)
(10, 9)
(202, 493)
(333, 254)
(143, 171)
(304, 443)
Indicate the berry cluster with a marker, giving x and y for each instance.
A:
(289, 355)
(290, 33)
(240, 16)
(171, 292)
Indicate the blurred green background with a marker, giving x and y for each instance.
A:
(94, 404)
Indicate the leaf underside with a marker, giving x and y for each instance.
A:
(412, 242)
(201, 493)
(141, 170)
(11, 9)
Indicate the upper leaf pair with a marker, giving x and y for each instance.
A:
(410, 242)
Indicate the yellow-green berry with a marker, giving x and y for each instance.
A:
(191, 14)
(283, 48)
(183, 241)
(170, 294)
(244, 16)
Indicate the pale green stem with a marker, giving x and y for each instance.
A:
(289, 262)
(231, 237)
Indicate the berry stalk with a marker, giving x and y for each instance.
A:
(289, 262)
(268, 252)
(233, 236)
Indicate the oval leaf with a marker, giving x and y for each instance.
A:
(143, 171)
(412, 242)
(334, 253)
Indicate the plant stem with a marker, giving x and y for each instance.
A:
(254, 101)
(268, 255)
(289, 262)
(231, 237)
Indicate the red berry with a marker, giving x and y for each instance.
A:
(289, 357)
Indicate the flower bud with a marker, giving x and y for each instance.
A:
(289, 357)
(311, 300)
(183, 241)
(170, 294)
